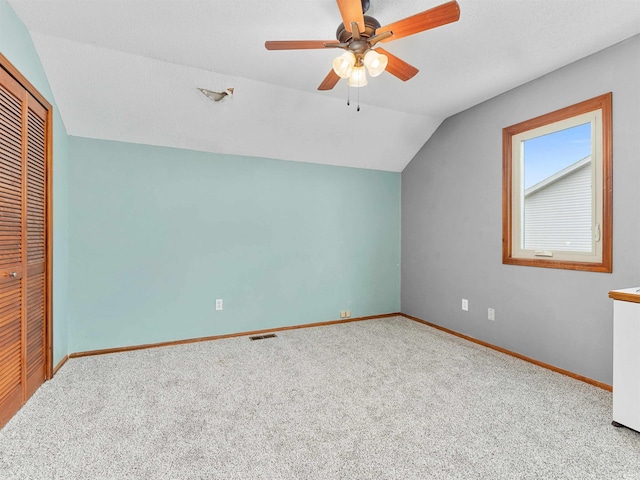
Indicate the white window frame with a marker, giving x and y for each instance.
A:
(596, 112)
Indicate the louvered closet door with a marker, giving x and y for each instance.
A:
(23, 333)
(35, 242)
(11, 239)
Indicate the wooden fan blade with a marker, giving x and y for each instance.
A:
(298, 44)
(398, 67)
(351, 11)
(432, 18)
(329, 81)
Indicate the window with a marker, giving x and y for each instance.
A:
(557, 189)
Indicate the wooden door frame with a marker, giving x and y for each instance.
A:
(21, 79)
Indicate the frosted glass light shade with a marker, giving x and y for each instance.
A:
(343, 65)
(375, 62)
(358, 78)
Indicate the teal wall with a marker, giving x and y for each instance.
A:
(17, 46)
(157, 234)
(146, 238)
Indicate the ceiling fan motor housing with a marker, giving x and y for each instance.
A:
(370, 27)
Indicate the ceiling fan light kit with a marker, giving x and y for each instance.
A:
(359, 34)
(358, 78)
(375, 62)
(343, 65)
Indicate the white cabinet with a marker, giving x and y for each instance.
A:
(626, 357)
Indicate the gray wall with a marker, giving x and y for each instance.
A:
(452, 225)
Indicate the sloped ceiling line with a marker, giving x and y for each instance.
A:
(129, 71)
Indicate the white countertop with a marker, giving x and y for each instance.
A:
(626, 294)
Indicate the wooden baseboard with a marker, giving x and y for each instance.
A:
(59, 365)
(230, 335)
(590, 381)
(553, 368)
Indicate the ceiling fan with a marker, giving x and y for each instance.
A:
(358, 34)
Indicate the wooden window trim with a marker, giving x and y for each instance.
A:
(22, 80)
(604, 103)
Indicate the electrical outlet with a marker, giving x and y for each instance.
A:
(491, 314)
(347, 314)
(343, 314)
(465, 304)
(218, 304)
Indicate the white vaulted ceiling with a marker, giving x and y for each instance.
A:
(128, 70)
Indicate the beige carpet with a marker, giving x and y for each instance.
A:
(378, 399)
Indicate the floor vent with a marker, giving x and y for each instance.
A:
(262, 337)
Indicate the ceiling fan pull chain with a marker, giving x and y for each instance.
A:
(348, 93)
(358, 109)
